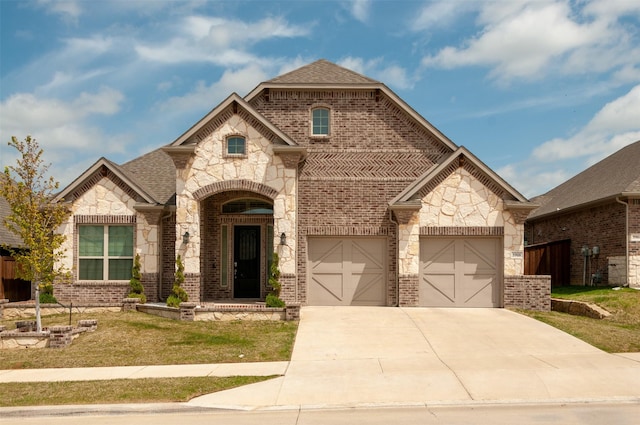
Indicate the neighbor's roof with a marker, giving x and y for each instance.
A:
(616, 175)
(7, 237)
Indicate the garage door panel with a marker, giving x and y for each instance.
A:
(478, 290)
(459, 272)
(369, 289)
(330, 288)
(347, 271)
(438, 289)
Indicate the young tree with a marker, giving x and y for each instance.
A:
(34, 218)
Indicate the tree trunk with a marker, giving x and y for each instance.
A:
(38, 319)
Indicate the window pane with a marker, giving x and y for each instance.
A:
(90, 269)
(320, 121)
(120, 269)
(91, 240)
(121, 241)
(235, 145)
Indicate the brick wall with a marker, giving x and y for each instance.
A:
(602, 226)
(373, 152)
(409, 290)
(92, 292)
(168, 255)
(528, 292)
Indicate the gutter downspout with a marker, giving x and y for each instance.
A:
(397, 279)
(626, 239)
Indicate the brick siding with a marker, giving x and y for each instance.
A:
(602, 225)
(528, 292)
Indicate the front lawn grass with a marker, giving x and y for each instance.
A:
(619, 333)
(157, 390)
(134, 339)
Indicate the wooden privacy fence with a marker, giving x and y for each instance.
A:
(551, 258)
(11, 288)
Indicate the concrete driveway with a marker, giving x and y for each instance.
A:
(359, 356)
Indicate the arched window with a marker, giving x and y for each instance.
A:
(236, 145)
(320, 122)
(247, 206)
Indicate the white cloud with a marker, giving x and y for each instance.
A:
(204, 97)
(438, 14)
(392, 75)
(218, 41)
(63, 128)
(70, 10)
(360, 9)
(614, 126)
(60, 122)
(530, 39)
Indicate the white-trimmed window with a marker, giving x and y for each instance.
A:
(105, 252)
(320, 122)
(236, 145)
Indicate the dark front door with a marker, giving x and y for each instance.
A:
(246, 262)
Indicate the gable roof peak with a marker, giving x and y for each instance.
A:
(322, 72)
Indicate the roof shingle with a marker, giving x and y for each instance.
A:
(618, 173)
(322, 72)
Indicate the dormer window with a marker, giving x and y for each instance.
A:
(236, 145)
(320, 122)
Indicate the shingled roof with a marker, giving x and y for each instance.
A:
(616, 175)
(322, 72)
(6, 237)
(156, 173)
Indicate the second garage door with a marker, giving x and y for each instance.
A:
(347, 271)
(460, 272)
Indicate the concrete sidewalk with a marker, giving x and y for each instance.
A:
(137, 372)
(361, 356)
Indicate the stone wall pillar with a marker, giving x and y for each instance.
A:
(2, 303)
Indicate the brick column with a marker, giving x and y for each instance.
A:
(292, 311)
(60, 336)
(188, 311)
(130, 304)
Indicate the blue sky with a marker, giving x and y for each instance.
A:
(537, 89)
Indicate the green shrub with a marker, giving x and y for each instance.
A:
(137, 290)
(46, 294)
(273, 301)
(273, 298)
(178, 294)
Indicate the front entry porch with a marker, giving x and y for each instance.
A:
(237, 247)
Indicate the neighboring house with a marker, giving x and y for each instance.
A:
(598, 211)
(365, 202)
(10, 288)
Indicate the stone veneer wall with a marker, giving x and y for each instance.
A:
(210, 172)
(461, 200)
(528, 292)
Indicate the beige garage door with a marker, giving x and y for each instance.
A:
(460, 272)
(347, 271)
